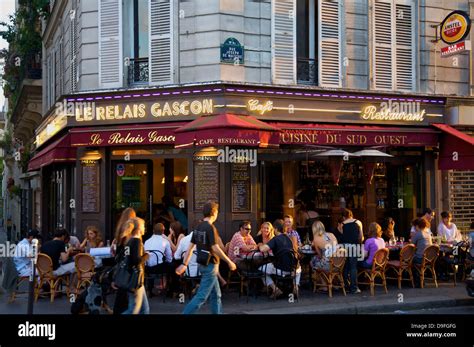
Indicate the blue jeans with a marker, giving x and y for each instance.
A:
(350, 273)
(137, 302)
(209, 288)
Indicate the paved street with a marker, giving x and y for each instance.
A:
(443, 300)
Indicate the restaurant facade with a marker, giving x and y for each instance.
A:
(375, 153)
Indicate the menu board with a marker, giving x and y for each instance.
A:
(206, 183)
(90, 187)
(241, 188)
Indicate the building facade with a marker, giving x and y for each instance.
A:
(139, 97)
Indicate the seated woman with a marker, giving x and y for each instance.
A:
(176, 235)
(323, 243)
(92, 239)
(265, 234)
(372, 245)
(389, 229)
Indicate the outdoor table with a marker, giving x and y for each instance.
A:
(307, 255)
(394, 251)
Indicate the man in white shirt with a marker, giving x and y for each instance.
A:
(23, 250)
(158, 243)
(183, 246)
(447, 229)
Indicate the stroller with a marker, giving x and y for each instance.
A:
(91, 300)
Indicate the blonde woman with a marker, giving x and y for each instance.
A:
(124, 235)
(126, 215)
(323, 243)
(265, 234)
(92, 239)
(137, 300)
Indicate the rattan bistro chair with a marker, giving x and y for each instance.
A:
(430, 255)
(85, 269)
(378, 270)
(333, 278)
(44, 265)
(403, 265)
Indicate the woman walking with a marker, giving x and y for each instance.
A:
(137, 299)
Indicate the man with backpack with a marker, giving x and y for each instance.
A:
(206, 239)
(352, 238)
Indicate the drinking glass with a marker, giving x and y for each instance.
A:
(402, 239)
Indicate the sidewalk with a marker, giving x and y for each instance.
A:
(395, 302)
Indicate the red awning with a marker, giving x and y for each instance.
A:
(456, 149)
(59, 151)
(354, 135)
(136, 134)
(227, 130)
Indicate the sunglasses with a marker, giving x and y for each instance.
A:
(248, 228)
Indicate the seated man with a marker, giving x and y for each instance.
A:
(61, 257)
(158, 242)
(241, 244)
(183, 246)
(281, 246)
(23, 251)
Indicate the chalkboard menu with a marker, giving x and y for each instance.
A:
(241, 188)
(90, 187)
(206, 183)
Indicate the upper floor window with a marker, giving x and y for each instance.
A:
(136, 40)
(306, 42)
(136, 35)
(394, 45)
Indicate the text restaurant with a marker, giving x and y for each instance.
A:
(261, 152)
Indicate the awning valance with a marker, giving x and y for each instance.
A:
(355, 135)
(227, 130)
(456, 149)
(137, 134)
(59, 151)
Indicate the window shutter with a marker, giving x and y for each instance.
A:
(382, 36)
(161, 42)
(329, 53)
(405, 41)
(110, 44)
(284, 41)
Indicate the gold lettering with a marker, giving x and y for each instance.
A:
(96, 140)
(141, 110)
(196, 107)
(155, 110)
(110, 112)
(167, 110)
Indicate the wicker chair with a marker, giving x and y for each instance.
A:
(403, 265)
(44, 265)
(378, 270)
(333, 278)
(85, 269)
(430, 255)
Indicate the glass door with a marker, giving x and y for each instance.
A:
(132, 187)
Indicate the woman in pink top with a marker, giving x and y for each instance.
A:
(372, 245)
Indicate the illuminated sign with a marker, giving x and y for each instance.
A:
(455, 27)
(88, 112)
(255, 105)
(409, 114)
(51, 128)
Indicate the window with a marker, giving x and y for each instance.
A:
(135, 18)
(394, 46)
(306, 42)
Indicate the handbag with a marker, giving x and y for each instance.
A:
(203, 257)
(128, 279)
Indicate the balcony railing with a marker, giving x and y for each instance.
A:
(307, 71)
(138, 71)
(32, 68)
